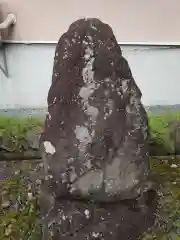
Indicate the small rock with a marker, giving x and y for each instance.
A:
(17, 172)
(4, 192)
(30, 196)
(174, 165)
(32, 136)
(165, 161)
(38, 181)
(6, 204)
(8, 230)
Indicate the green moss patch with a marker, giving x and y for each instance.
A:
(19, 212)
(13, 132)
(161, 141)
(167, 225)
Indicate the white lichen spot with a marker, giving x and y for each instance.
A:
(107, 80)
(136, 181)
(96, 234)
(30, 196)
(86, 92)
(87, 213)
(87, 71)
(174, 165)
(90, 85)
(110, 104)
(92, 112)
(128, 109)
(88, 164)
(108, 109)
(82, 134)
(74, 40)
(89, 38)
(118, 91)
(72, 173)
(84, 137)
(46, 178)
(70, 160)
(85, 42)
(64, 177)
(88, 53)
(54, 100)
(49, 148)
(49, 116)
(93, 27)
(50, 176)
(65, 56)
(17, 172)
(124, 83)
(112, 87)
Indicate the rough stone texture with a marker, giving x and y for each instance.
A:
(95, 143)
(32, 136)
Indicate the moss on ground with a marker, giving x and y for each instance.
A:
(13, 131)
(167, 225)
(19, 211)
(161, 142)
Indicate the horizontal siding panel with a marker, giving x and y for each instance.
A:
(132, 20)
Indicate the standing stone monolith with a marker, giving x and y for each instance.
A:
(95, 142)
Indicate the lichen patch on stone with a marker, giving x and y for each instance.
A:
(49, 148)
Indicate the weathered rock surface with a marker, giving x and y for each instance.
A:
(95, 142)
(32, 136)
